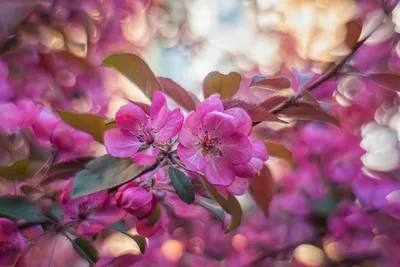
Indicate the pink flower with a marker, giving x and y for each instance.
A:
(148, 229)
(137, 130)
(93, 212)
(12, 242)
(136, 200)
(15, 117)
(214, 140)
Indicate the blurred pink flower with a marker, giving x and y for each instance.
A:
(12, 242)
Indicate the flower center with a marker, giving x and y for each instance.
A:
(146, 135)
(209, 145)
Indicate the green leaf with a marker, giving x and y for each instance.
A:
(140, 240)
(56, 210)
(20, 208)
(88, 248)
(103, 173)
(182, 185)
(29, 190)
(19, 170)
(88, 123)
(155, 217)
(211, 206)
(218, 83)
(324, 206)
(136, 70)
(230, 205)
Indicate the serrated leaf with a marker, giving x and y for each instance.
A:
(262, 188)
(178, 93)
(103, 173)
(182, 185)
(88, 123)
(278, 150)
(87, 247)
(17, 171)
(136, 70)
(20, 208)
(230, 205)
(218, 83)
(211, 206)
(140, 240)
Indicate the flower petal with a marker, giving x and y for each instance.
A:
(158, 110)
(258, 150)
(213, 103)
(147, 156)
(219, 171)
(242, 120)
(218, 124)
(172, 126)
(121, 143)
(239, 186)
(191, 127)
(248, 169)
(44, 125)
(191, 157)
(130, 117)
(11, 117)
(236, 148)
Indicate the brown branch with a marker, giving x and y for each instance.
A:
(325, 77)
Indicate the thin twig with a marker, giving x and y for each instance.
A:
(325, 77)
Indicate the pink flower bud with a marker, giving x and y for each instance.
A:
(136, 200)
(12, 242)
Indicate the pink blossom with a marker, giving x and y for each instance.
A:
(137, 130)
(93, 212)
(136, 200)
(214, 140)
(15, 117)
(12, 242)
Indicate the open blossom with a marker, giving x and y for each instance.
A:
(93, 212)
(12, 242)
(138, 130)
(214, 141)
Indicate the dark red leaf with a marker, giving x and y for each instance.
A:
(273, 84)
(273, 101)
(178, 93)
(262, 189)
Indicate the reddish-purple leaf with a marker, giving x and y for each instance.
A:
(178, 93)
(255, 112)
(273, 101)
(273, 83)
(389, 81)
(305, 111)
(262, 188)
(218, 83)
(353, 33)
